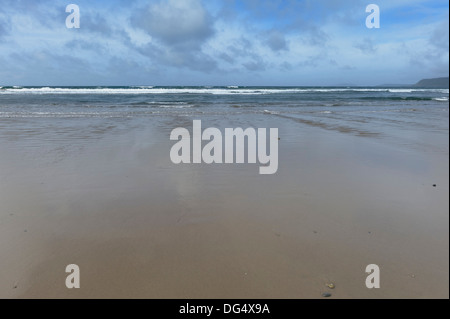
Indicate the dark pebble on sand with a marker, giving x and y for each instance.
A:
(434, 185)
(326, 295)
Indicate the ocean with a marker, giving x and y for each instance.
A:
(139, 101)
(377, 112)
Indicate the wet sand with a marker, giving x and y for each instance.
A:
(139, 226)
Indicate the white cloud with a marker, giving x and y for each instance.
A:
(261, 42)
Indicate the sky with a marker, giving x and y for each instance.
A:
(222, 42)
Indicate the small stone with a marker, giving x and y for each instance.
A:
(434, 185)
(326, 295)
(331, 286)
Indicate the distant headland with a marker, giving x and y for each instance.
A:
(438, 83)
(435, 83)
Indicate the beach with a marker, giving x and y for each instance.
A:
(86, 179)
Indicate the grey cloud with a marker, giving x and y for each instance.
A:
(67, 69)
(434, 57)
(314, 60)
(241, 47)
(80, 44)
(256, 65)
(4, 29)
(339, 11)
(348, 67)
(95, 23)
(295, 13)
(366, 46)
(317, 37)
(439, 37)
(195, 61)
(226, 57)
(286, 66)
(47, 13)
(276, 41)
(333, 62)
(437, 54)
(176, 23)
(141, 73)
(238, 49)
(310, 31)
(171, 56)
(179, 29)
(58, 69)
(52, 15)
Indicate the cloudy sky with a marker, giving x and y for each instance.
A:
(222, 42)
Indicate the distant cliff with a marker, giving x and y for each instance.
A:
(441, 83)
